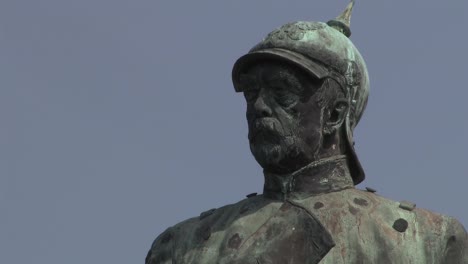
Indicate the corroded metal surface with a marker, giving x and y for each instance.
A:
(363, 227)
(306, 87)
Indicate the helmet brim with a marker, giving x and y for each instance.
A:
(245, 62)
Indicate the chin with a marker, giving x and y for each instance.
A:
(276, 157)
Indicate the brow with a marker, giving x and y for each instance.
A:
(286, 79)
(248, 81)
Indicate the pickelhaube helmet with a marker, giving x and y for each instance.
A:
(324, 51)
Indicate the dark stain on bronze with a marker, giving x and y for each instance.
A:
(452, 239)
(235, 241)
(361, 202)
(353, 210)
(318, 205)
(400, 225)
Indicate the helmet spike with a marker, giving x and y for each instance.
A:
(342, 23)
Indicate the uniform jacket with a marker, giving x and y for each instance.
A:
(341, 227)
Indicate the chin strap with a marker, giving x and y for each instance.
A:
(317, 163)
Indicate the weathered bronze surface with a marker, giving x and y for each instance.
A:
(306, 87)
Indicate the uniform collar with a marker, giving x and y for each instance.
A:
(321, 176)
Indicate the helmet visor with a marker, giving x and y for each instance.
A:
(243, 63)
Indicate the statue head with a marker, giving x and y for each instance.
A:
(306, 87)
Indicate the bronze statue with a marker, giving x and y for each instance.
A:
(306, 87)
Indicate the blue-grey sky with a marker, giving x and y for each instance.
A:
(118, 118)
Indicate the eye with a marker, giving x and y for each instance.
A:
(288, 101)
(279, 91)
(251, 95)
(284, 97)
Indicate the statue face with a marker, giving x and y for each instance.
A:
(284, 118)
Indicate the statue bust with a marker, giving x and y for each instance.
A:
(306, 87)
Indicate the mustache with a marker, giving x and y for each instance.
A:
(267, 126)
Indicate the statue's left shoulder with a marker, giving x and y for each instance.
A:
(444, 237)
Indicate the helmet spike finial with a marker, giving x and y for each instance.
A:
(343, 22)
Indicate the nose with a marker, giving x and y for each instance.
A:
(262, 109)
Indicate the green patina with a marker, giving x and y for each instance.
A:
(306, 87)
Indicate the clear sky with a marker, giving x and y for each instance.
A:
(118, 118)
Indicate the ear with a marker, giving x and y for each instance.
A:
(336, 116)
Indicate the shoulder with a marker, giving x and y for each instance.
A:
(210, 225)
(397, 229)
(374, 212)
(381, 207)
(442, 236)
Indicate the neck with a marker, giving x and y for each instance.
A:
(322, 176)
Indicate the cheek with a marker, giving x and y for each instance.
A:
(310, 115)
(310, 123)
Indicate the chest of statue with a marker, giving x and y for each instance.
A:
(349, 226)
